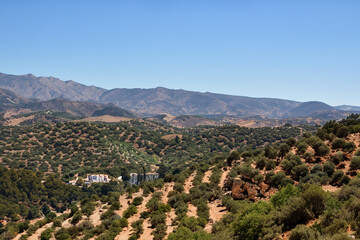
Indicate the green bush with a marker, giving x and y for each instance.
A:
(338, 143)
(281, 197)
(130, 211)
(355, 163)
(250, 226)
(315, 199)
(302, 148)
(338, 158)
(294, 212)
(178, 187)
(300, 171)
(316, 168)
(329, 168)
(349, 147)
(137, 201)
(47, 234)
(302, 232)
(76, 218)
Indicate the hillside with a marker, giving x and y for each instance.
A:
(158, 101)
(303, 188)
(46, 88)
(307, 108)
(16, 109)
(79, 108)
(9, 99)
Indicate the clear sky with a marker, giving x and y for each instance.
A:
(300, 49)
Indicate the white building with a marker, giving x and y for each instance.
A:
(97, 178)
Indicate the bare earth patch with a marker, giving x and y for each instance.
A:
(329, 188)
(206, 178)
(188, 183)
(105, 118)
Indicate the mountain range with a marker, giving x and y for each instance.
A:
(10, 101)
(86, 100)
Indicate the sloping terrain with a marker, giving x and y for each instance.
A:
(9, 99)
(79, 108)
(16, 109)
(307, 185)
(46, 88)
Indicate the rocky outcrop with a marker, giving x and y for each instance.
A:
(241, 190)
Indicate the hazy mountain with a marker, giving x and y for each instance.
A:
(157, 101)
(180, 102)
(308, 108)
(348, 108)
(11, 101)
(46, 88)
(79, 108)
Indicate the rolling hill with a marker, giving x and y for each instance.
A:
(11, 102)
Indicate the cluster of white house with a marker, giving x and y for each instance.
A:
(93, 178)
(135, 178)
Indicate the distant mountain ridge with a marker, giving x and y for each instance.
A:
(47, 88)
(157, 101)
(13, 102)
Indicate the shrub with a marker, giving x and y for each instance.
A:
(181, 233)
(270, 164)
(260, 163)
(315, 199)
(235, 155)
(137, 201)
(342, 132)
(281, 197)
(46, 235)
(157, 218)
(137, 228)
(259, 178)
(279, 179)
(284, 149)
(349, 147)
(300, 171)
(62, 234)
(302, 147)
(144, 215)
(357, 153)
(336, 177)
(290, 162)
(308, 156)
(338, 143)
(316, 168)
(191, 223)
(178, 187)
(341, 236)
(76, 218)
(329, 168)
(291, 141)
(338, 158)
(323, 150)
(355, 163)
(302, 232)
(250, 226)
(291, 214)
(130, 211)
(337, 226)
(57, 223)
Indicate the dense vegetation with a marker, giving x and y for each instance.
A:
(290, 164)
(117, 149)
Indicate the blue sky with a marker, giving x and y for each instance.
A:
(300, 50)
